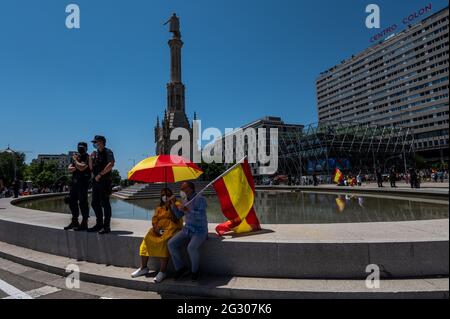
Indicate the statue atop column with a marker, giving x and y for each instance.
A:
(174, 26)
(175, 113)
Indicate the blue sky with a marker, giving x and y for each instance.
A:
(242, 60)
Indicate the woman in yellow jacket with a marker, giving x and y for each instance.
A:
(165, 226)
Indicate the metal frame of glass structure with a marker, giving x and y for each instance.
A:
(352, 147)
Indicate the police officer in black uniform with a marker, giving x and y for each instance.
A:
(101, 163)
(78, 198)
(393, 177)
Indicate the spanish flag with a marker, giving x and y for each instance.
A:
(236, 192)
(338, 176)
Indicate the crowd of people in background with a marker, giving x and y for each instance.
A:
(391, 177)
(22, 188)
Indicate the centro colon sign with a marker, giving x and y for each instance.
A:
(406, 21)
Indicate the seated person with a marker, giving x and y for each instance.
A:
(165, 226)
(193, 234)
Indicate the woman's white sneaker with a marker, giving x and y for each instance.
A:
(140, 272)
(160, 277)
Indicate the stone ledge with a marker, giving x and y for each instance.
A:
(332, 251)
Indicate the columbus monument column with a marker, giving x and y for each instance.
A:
(175, 114)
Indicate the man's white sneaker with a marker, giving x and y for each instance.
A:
(140, 272)
(160, 277)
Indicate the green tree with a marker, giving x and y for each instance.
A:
(45, 179)
(212, 170)
(440, 165)
(11, 163)
(116, 179)
(45, 174)
(126, 183)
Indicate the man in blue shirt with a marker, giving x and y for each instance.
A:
(193, 234)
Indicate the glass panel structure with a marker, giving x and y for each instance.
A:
(322, 147)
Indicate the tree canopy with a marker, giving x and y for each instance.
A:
(45, 174)
(10, 163)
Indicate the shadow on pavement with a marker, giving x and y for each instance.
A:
(121, 232)
(234, 235)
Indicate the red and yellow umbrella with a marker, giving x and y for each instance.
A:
(164, 169)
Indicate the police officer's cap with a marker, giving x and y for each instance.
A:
(98, 138)
(83, 144)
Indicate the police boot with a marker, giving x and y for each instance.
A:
(73, 224)
(105, 230)
(97, 227)
(83, 226)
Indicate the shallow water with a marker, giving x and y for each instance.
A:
(286, 208)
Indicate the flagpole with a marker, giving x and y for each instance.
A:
(216, 179)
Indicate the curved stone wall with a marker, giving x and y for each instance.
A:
(401, 249)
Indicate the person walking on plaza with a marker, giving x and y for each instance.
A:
(379, 178)
(193, 234)
(315, 180)
(393, 177)
(412, 177)
(16, 188)
(418, 178)
(78, 197)
(435, 176)
(359, 179)
(441, 176)
(165, 226)
(101, 163)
